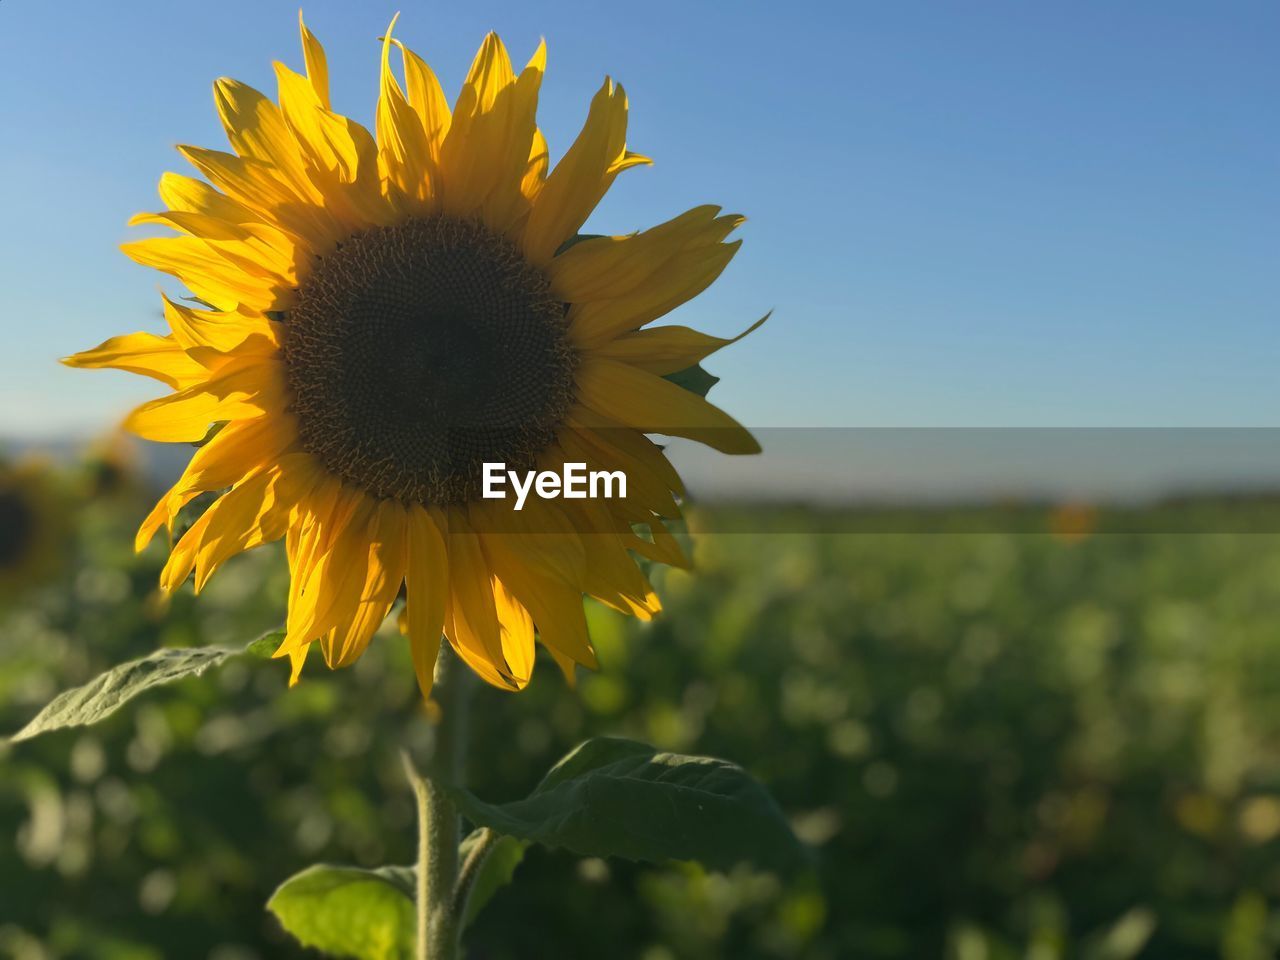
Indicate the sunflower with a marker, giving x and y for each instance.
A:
(109, 470)
(374, 317)
(32, 527)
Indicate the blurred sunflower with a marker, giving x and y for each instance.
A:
(33, 527)
(109, 469)
(386, 314)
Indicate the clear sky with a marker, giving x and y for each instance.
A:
(992, 213)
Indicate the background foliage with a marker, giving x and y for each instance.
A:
(999, 745)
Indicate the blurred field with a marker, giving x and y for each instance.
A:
(1000, 745)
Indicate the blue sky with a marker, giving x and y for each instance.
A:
(981, 214)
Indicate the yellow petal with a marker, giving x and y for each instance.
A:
(607, 536)
(384, 565)
(256, 185)
(618, 284)
(535, 171)
(256, 130)
(220, 332)
(645, 484)
(506, 206)
(319, 519)
(487, 82)
(427, 100)
(161, 358)
(516, 629)
(484, 154)
(223, 274)
(156, 519)
(253, 512)
(316, 62)
(582, 176)
(556, 606)
(604, 268)
(297, 658)
(183, 556)
(426, 592)
(540, 532)
(591, 324)
(255, 518)
(240, 448)
(195, 196)
(653, 405)
(568, 667)
(490, 72)
(663, 548)
(334, 548)
(618, 441)
(473, 630)
(424, 651)
(340, 156)
(258, 255)
(401, 140)
(663, 350)
(241, 391)
(615, 580)
(263, 244)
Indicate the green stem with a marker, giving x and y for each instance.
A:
(438, 823)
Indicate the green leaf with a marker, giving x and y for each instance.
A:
(265, 646)
(350, 912)
(107, 692)
(370, 914)
(694, 379)
(620, 798)
(499, 867)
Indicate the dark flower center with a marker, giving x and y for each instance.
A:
(416, 353)
(17, 525)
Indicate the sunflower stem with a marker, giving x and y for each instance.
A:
(438, 821)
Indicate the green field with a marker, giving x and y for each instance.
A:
(998, 745)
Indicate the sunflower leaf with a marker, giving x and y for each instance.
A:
(620, 798)
(108, 692)
(350, 912)
(694, 379)
(265, 646)
(495, 873)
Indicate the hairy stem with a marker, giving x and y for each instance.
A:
(438, 823)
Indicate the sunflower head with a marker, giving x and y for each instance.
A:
(382, 314)
(33, 527)
(109, 469)
(420, 351)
